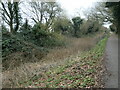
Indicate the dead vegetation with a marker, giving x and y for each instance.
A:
(74, 46)
(83, 71)
(54, 57)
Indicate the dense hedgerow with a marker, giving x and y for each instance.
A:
(28, 45)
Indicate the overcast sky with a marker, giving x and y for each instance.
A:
(78, 7)
(72, 7)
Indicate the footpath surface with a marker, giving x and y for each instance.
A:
(111, 63)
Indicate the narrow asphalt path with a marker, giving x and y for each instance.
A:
(111, 63)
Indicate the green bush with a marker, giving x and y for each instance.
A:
(35, 37)
(44, 38)
(19, 51)
(10, 44)
(27, 46)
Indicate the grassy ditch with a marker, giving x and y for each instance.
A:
(81, 72)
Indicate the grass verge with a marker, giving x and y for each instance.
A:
(81, 72)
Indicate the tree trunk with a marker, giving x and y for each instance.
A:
(11, 27)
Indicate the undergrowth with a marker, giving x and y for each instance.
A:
(28, 46)
(82, 72)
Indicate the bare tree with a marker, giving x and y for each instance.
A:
(52, 10)
(100, 13)
(37, 9)
(10, 14)
(44, 12)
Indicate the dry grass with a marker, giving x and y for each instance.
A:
(53, 58)
(75, 45)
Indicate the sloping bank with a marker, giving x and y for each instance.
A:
(84, 71)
